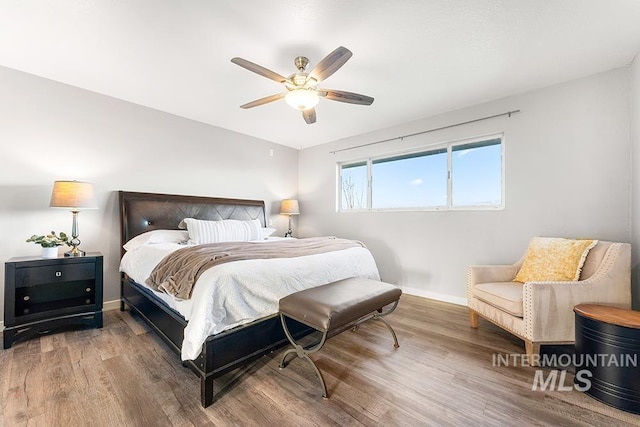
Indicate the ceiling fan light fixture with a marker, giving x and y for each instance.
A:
(302, 92)
(302, 99)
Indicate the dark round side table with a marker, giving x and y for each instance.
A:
(607, 355)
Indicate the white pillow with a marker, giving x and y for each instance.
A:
(266, 232)
(156, 236)
(228, 230)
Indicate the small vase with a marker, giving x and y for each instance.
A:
(50, 252)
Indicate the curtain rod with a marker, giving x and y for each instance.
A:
(508, 113)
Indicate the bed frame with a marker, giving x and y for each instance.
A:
(223, 352)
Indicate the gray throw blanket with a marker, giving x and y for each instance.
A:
(178, 272)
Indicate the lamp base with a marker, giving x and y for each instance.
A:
(75, 252)
(289, 233)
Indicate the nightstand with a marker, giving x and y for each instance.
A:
(43, 294)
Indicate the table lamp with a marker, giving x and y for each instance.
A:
(74, 195)
(289, 207)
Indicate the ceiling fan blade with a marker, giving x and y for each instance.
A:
(309, 115)
(263, 101)
(348, 97)
(258, 69)
(330, 64)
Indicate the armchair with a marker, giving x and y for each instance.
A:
(542, 312)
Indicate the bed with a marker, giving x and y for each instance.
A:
(220, 352)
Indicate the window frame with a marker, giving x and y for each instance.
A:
(449, 147)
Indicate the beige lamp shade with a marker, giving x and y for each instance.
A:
(73, 195)
(290, 207)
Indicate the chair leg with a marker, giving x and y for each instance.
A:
(533, 353)
(473, 319)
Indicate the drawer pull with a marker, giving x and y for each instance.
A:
(26, 297)
(58, 273)
(88, 289)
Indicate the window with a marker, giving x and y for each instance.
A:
(459, 175)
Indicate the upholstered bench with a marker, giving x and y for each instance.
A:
(335, 307)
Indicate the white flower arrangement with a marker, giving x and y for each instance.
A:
(51, 240)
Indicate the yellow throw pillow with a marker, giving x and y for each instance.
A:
(550, 259)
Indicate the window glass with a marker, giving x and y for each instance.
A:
(410, 181)
(476, 178)
(354, 186)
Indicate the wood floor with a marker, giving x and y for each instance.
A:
(442, 374)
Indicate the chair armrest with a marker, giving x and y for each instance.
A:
(491, 273)
(548, 306)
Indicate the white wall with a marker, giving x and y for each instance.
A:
(567, 174)
(635, 191)
(52, 131)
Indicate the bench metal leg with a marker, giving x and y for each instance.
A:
(378, 316)
(303, 353)
(393, 333)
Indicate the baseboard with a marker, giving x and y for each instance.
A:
(111, 305)
(434, 295)
(115, 304)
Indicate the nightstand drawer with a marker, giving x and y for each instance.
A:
(39, 294)
(33, 276)
(43, 298)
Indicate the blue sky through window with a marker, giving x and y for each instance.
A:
(477, 176)
(411, 182)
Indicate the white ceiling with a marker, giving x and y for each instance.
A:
(415, 57)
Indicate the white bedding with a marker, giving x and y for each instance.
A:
(240, 292)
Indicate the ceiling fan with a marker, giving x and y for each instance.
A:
(303, 92)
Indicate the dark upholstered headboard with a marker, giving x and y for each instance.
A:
(140, 212)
